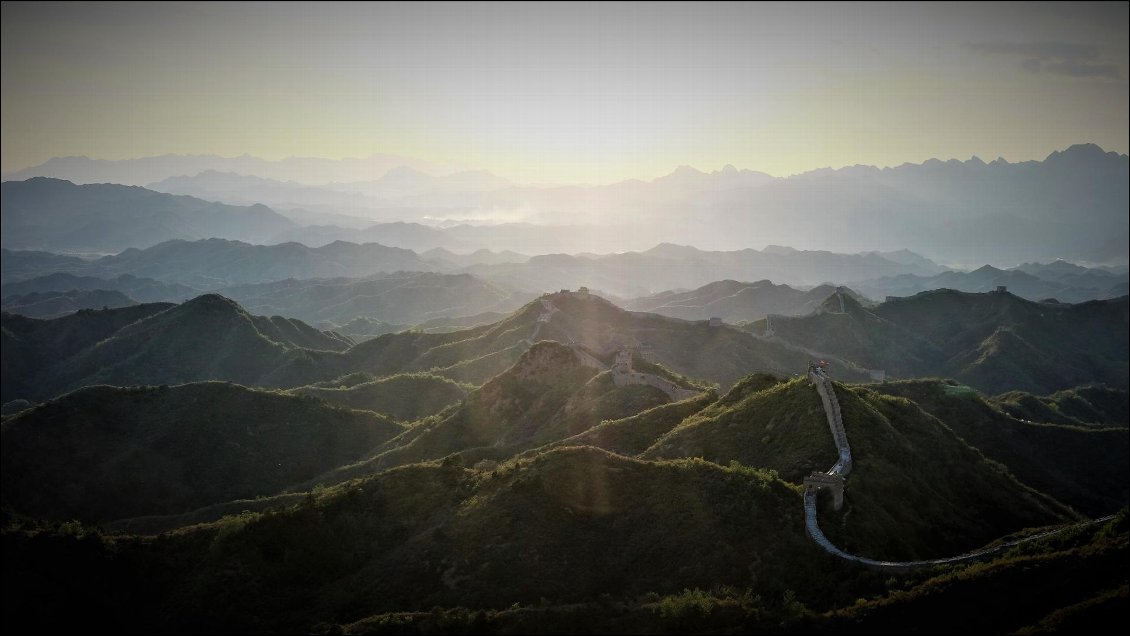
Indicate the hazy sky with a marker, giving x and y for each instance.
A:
(572, 92)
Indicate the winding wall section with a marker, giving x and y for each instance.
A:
(843, 466)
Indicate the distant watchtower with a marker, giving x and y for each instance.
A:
(623, 363)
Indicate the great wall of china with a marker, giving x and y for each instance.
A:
(622, 372)
(833, 480)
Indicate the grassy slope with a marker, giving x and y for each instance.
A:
(104, 453)
(860, 336)
(207, 338)
(917, 490)
(1084, 405)
(545, 397)
(999, 342)
(30, 346)
(634, 434)
(568, 525)
(995, 342)
(1084, 467)
(406, 397)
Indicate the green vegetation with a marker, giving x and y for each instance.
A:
(1082, 466)
(566, 526)
(1071, 581)
(994, 342)
(547, 499)
(1084, 405)
(547, 396)
(916, 489)
(406, 396)
(207, 338)
(780, 427)
(633, 435)
(30, 347)
(104, 453)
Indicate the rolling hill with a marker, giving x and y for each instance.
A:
(1082, 466)
(733, 301)
(1030, 281)
(572, 536)
(56, 304)
(405, 397)
(1081, 406)
(207, 338)
(566, 526)
(549, 394)
(103, 453)
(917, 490)
(995, 341)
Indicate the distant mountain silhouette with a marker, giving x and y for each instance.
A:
(215, 263)
(671, 267)
(50, 214)
(1061, 281)
(400, 298)
(307, 170)
(1071, 205)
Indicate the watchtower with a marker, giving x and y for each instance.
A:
(820, 481)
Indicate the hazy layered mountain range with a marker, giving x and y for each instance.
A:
(226, 262)
(1070, 205)
(393, 288)
(734, 301)
(994, 341)
(140, 171)
(1043, 283)
(57, 215)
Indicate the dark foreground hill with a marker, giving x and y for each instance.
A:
(562, 535)
(575, 539)
(567, 526)
(104, 453)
